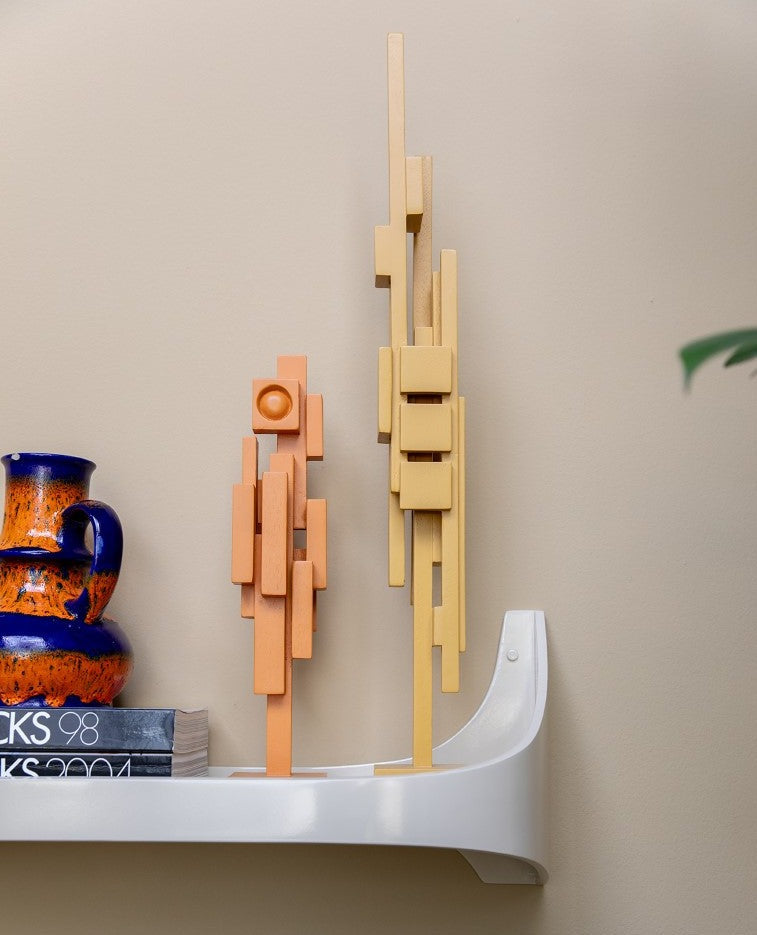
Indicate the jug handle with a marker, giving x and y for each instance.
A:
(100, 580)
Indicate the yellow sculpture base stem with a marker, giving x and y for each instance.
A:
(423, 638)
(406, 770)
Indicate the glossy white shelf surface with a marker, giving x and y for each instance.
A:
(490, 805)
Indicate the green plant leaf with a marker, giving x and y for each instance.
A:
(696, 353)
(745, 352)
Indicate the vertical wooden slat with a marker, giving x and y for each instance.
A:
(385, 394)
(422, 640)
(396, 536)
(422, 254)
(296, 368)
(302, 610)
(269, 638)
(314, 427)
(250, 460)
(273, 521)
(243, 534)
(317, 542)
(461, 519)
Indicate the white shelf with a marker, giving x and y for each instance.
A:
(491, 806)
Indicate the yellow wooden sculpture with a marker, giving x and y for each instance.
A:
(421, 417)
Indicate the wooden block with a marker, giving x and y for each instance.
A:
(250, 460)
(395, 456)
(382, 256)
(461, 518)
(414, 192)
(448, 297)
(436, 308)
(397, 189)
(396, 534)
(268, 645)
(284, 463)
(425, 369)
(425, 427)
(275, 406)
(247, 608)
(437, 542)
(450, 649)
(438, 620)
(314, 423)
(243, 533)
(317, 544)
(422, 638)
(258, 502)
(396, 132)
(385, 395)
(424, 336)
(296, 368)
(273, 567)
(450, 668)
(448, 625)
(425, 485)
(269, 638)
(397, 237)
(302, 610)
(422, 255)
(412, 564)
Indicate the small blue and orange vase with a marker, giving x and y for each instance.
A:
(55, 646)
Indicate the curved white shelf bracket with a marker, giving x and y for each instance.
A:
(491, 805)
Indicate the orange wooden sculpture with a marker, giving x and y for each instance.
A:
(278, 580)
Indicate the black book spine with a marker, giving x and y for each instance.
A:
(66, 763)
(87, 729)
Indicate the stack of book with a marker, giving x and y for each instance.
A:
(111, 742)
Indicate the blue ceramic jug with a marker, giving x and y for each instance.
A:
(55, 647)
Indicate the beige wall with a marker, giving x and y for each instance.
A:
(189, 189)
